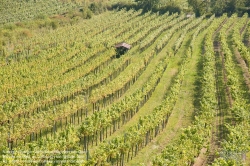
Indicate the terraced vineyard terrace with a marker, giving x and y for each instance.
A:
(179, 96)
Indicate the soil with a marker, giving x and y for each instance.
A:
(200, 160)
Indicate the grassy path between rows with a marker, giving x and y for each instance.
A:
(183, 112)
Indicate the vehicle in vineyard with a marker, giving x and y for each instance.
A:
(121, 49)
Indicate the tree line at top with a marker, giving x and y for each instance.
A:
(219, 7)
(199, 7)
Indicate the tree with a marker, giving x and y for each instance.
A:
(147, 5)
(219, 7)
(228, 6)
(199, 6)
(233, 6)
